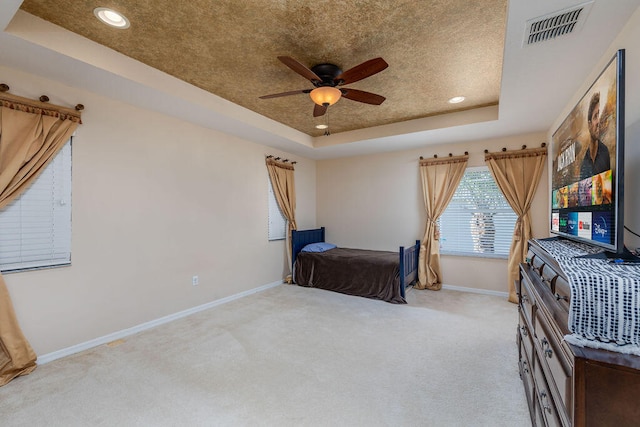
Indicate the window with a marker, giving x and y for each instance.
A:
(277, 221)
(35, 229)
(478, 220)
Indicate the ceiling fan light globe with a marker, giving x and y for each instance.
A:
(325, 95)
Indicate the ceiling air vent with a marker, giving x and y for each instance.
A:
(557, 24)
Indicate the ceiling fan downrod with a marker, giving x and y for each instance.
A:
(327, 130)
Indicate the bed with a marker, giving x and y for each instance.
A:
(379, 275)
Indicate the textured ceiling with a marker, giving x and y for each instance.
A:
(436, 49)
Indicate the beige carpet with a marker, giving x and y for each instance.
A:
(292, 356)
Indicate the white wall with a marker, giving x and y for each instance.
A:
(156, 200)
(628, 39)
(376, 202)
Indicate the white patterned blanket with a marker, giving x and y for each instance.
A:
(604, 311)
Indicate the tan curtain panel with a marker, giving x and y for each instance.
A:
(517, 174)
(281, 175)
(31, 133)
(440, 179)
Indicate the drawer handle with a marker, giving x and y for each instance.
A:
(561, 297)
(525, 297)
(545, 402)
(525, 367)
(524, 330)
(547, 351)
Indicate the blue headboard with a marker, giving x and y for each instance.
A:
(300, 239)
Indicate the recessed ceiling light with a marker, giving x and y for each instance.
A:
(111, 17)
(456, 99)
(321, 126)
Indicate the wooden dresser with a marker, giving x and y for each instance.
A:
(568, 385)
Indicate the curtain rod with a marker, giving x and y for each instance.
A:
(281, 159)
(524, 147)
(44, 98)
(466, 153)
(435, 156)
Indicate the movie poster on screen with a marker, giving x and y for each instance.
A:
(572, 139)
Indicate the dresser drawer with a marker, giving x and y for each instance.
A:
(548, 276)
(562, 292)
(527, 299)
(544, 400)
(539, 416)
(553, 362)
(538, 264)
(526, 369)
(526, 336)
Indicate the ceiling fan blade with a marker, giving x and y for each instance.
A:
(299, 68)
(361, 71)
(319, 110)
(292, 92)
(362, 96)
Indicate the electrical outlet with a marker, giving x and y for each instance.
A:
(195, 281)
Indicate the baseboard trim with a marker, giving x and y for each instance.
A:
(476, 291)
(50, 357)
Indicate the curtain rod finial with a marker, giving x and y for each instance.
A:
(4, 87)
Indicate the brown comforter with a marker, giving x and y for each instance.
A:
(361, 272)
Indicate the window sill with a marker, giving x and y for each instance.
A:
(474, 255)
(24, 269)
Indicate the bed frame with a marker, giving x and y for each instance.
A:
(408, 256)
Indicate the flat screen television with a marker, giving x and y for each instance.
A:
(587, 188)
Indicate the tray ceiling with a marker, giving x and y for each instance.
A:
(435, 49)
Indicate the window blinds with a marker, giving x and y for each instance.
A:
(478, 221)
(277, 221)
(35, 229)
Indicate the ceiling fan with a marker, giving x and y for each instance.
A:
(326, 77)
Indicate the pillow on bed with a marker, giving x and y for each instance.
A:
(318, 247)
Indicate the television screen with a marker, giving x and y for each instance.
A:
(587, 172)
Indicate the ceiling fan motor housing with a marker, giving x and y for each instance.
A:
(328, 73)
